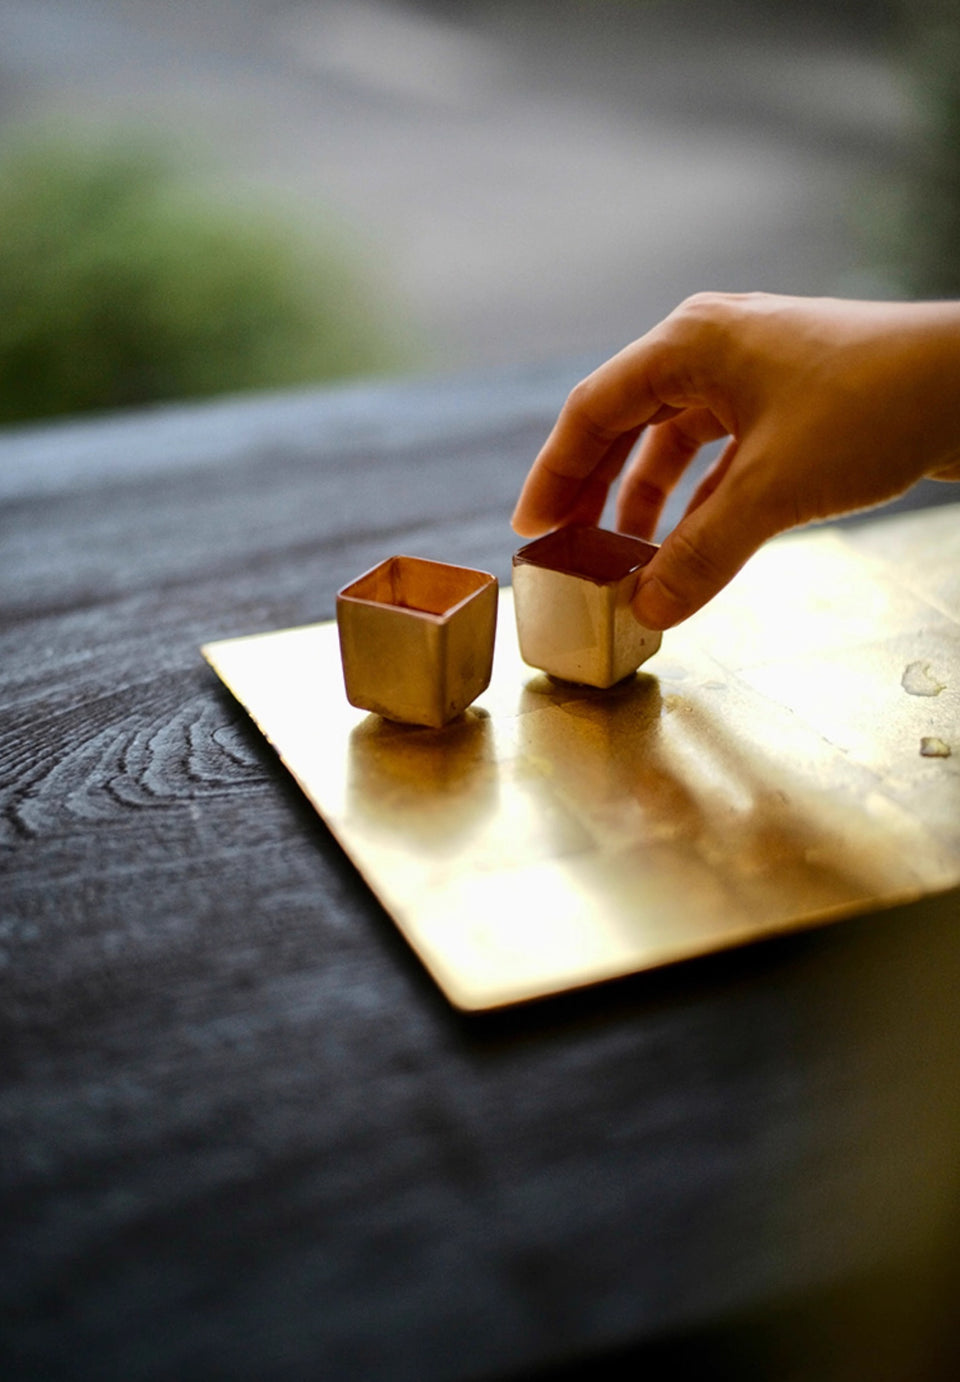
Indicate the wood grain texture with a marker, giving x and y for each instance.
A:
(242, 1136)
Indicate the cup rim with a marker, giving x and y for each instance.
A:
(346, 594)
(573, 549)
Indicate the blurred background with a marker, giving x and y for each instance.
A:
(200, 196)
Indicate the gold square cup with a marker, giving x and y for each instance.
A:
(572, 591)
(416, 639)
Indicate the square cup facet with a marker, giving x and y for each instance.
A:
(416, 639)
(572, 591)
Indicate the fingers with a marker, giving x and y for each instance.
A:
(703, 553)
(595, 432)
(664, 454)
(714, 476)
(672, 369)
(592, 492)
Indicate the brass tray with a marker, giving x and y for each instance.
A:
(791, 756)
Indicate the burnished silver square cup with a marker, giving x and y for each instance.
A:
(572, 591)
(416, 639)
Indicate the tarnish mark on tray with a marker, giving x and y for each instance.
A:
(918, 680)
(932, 747)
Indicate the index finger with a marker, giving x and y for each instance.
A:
(592, 438)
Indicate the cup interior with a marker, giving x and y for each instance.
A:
(593, 554)
(414, 583)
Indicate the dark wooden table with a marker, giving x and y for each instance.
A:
(242, 1135)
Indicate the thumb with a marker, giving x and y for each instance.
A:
(702, 554)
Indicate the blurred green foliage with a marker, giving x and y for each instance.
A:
(124, 281)
(930, 237)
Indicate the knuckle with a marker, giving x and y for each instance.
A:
(685, 439)
(696, 335)
(647, 493)
(581, 408)
(696, 562)
(715, 311)
(578, 396)
(703, 304)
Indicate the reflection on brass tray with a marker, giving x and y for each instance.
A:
(760, 774)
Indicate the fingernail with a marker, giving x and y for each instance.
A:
(654, 607)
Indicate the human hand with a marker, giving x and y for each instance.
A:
(830, 406)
